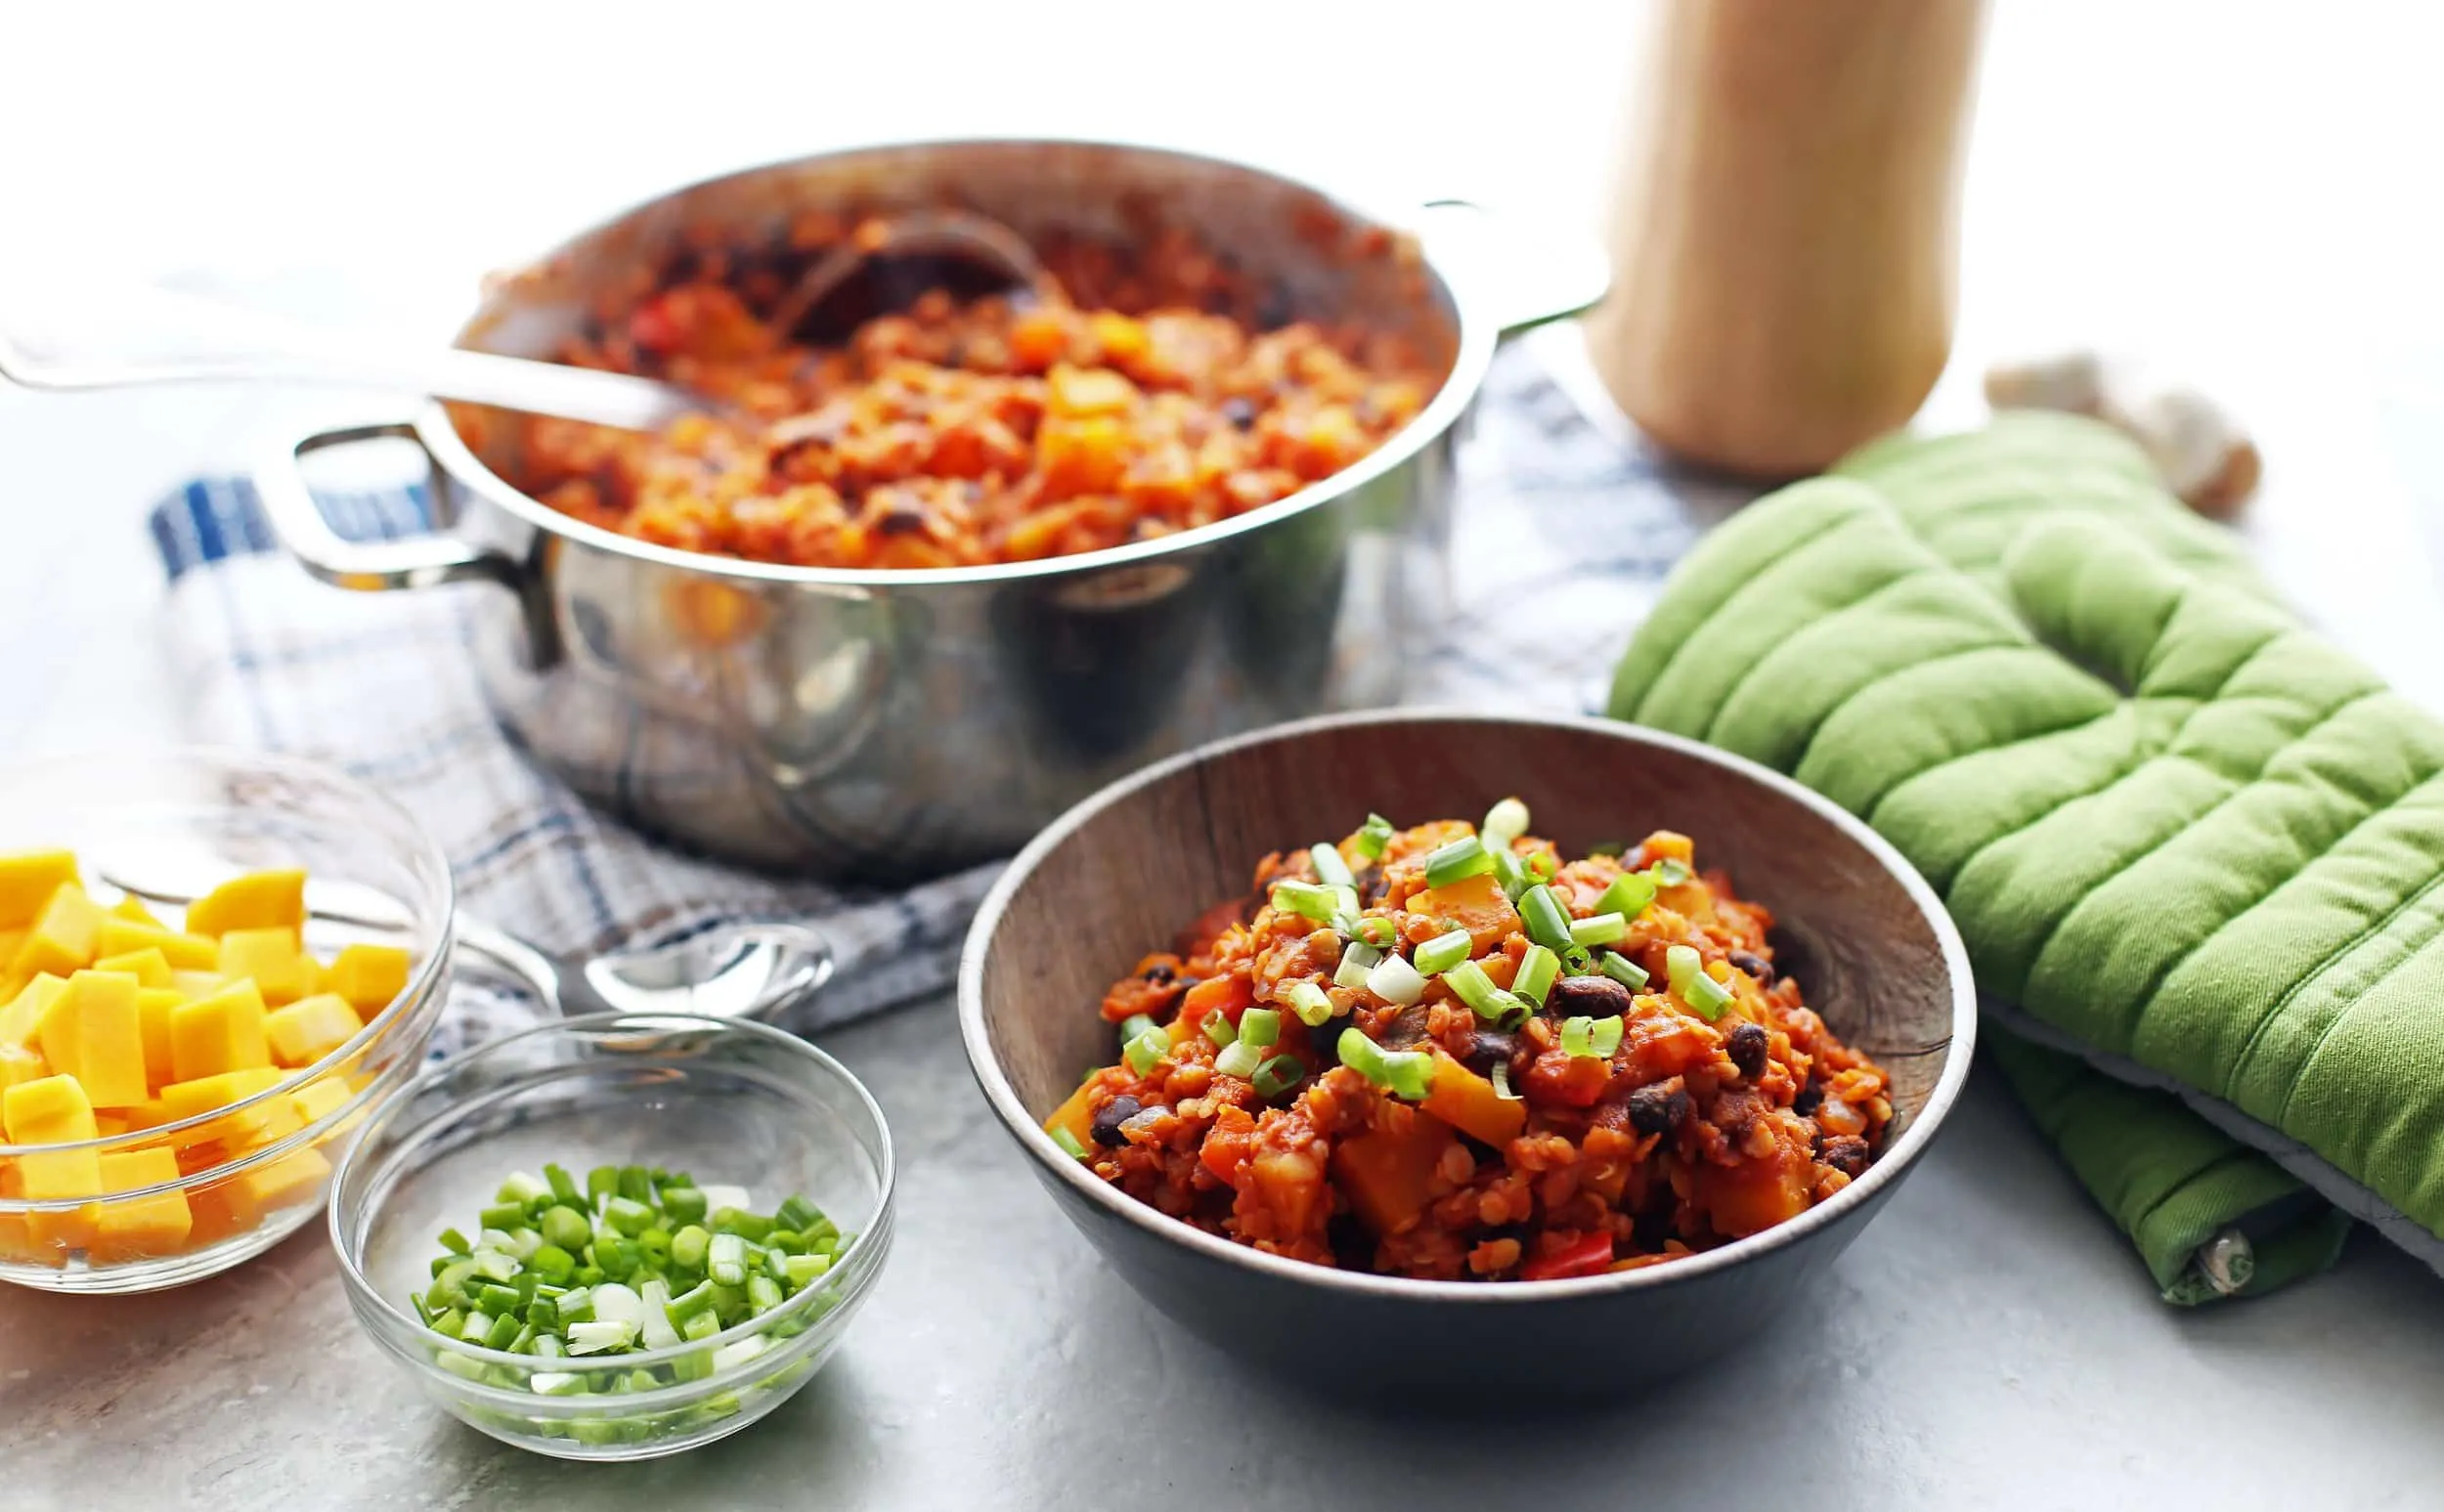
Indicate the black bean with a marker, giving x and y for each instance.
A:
(1596, 996)
(1747, 1049)
(1756, 966)
(1109, 1117)
(1160, 972)
(1809, 1099)
(1491, 1047)
(1657, 1108)
(1846, 1153)
(1651, 1229)
(1372, 885)
(1241, 412)
(899, 520)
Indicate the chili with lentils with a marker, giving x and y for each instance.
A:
(1152, 393)
(1451, 1054)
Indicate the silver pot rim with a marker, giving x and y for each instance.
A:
(1471, 358)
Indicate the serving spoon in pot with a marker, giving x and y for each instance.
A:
(728, 970)
(274, 350)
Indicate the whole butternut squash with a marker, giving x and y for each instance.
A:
(1785, 227)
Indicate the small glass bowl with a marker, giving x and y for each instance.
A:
(728, 1101)
(182, 822)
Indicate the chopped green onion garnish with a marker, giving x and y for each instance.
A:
(1356, 961)
(1260, 1026)
(567, 1227)
(1548, 921)
(726, 1261)
(1379, 933)
(1306, 900)
(1477, 990)
(1512, 873)
(1708, 996)
(520, 1187)
(689, 1246)
(1443, 952)
(1330, 869)
(1629, 894)
(564, 1188)
(1136, 1024)
(1504, 823)
(1309, 1002)
(1670, 873)
(1543, 864)
(626, 1216)
(1682, 963)
(1602, 930)
(1218, 1027)
(1147, 1049)
(1537, 971)
(1239, 1061)
(1577, 960)
(453, 1242)
(1405, 1073)
(1395, 980)
(1458, 861)
(597, 1337)
(504, 1216)
(1621, 968)
(1068, 1146)
(1595, 1038)
(1277, 1075)
(1373, 836)
(1500, 1078)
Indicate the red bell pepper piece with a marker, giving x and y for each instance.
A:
(1587, 1255)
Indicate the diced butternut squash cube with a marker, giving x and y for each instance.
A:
(1389, 1177)
(147, 965)
(65, 936)
(151, 1114)
(278, 1184)
(10, 940)
(109, 1125)
(154, 1005)
(51, 1111)
(309, 1028)
(1476, 904)
(369, 976)
(132, 908)
(17, 1243)
(1469, 1102)
(132, 1228)
(92, 1032)
(274, 1121)
(55, 1174)
(184, 952)
(258, 900)
(190, 985)
(27, 880)
(20, 1064)
(20, 1022)
(1075, 1116)
(321, 1099)
(223, 1032)
(270, 958)
(187, 1099)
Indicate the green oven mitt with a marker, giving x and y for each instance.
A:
(2179, 832)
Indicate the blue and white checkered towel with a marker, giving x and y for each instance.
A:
(1558, 525)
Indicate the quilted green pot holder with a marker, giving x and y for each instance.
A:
(2182, 834)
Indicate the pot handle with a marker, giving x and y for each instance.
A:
(1522, 272)
(368, 565)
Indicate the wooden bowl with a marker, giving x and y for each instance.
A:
(1119, 874)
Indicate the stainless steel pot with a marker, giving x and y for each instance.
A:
(890, 724)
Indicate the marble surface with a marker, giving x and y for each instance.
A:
(1987, 1343)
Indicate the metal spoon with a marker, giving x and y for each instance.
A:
(730, 971)
(277, 349)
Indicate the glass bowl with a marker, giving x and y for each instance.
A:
(180, 822)
(727, 1102)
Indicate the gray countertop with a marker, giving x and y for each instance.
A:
(1986, 1343)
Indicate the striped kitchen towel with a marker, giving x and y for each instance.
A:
(1553, 515)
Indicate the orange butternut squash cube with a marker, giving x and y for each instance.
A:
(1389, 1177)
(92, 1032)
(369, 976)
(319, 1098)
(65, 936)
(222, 1032)
(270, 958)
(132, 1228)
(1469, 1102)
(184, 952)
(190, 985)
(27, 880)
(52, 1110)
(291, 1179)
(258, 900)
(147, 965)
(1075, 1116)
(187, 1099)
(154, 1005)
(20, 1022)
(20, 1064)
(309, 1028)
(132, 908)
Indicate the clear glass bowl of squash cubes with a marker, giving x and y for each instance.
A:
(211, 964)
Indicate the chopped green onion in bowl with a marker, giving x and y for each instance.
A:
(1405, 1073)
(1458, 861)
(1441, 953)
(1505, 823)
